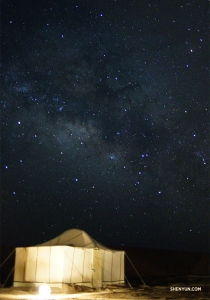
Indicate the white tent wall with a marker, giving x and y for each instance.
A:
(113, 267)
(58, 265)
(107, 266)
(44, 264)
(117, 267)
(35, 265)
(77, 265)
(19, 271)
(55, 265)
(71, 258)
(31, 264)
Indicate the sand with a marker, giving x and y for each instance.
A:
(174, 287)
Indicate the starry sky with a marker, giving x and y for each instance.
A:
(105, 122)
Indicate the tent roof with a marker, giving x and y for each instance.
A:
(75, 238)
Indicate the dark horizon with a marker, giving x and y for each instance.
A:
(110, 246)
(105, 122)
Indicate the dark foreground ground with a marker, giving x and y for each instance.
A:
(175, 287)
(149, 274)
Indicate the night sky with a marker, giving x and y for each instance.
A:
(105, 122)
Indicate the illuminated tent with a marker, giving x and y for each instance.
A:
(71, 258)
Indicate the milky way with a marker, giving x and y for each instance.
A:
(105, 122)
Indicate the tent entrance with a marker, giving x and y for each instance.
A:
(96, 268)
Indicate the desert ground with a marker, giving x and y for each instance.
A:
(161, 288)
(163, 275)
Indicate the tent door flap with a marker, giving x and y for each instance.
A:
(97, 268)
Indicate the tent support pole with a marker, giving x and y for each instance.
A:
(7, 258)
(135, 269)
(8, 277)
(128, 282)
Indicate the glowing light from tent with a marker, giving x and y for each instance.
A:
(44, 290)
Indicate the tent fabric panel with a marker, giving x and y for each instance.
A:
(56, 264)
(117, 266)
(107, 266)
(77, 262)
(43, 264)
(68, 263)
(87, 269)
(20, 258)
(77, 265)
(31, 264)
